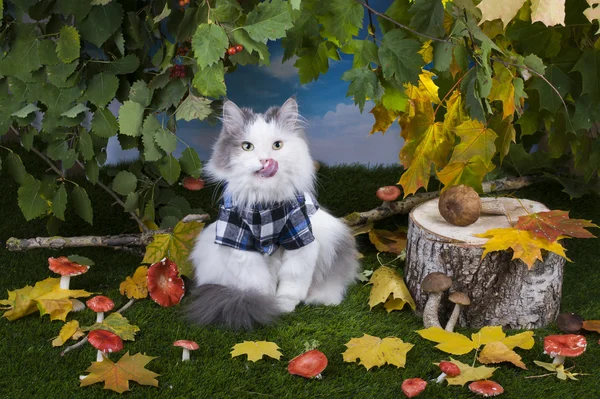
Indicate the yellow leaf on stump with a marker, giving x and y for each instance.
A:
(256, 350)
(387, 283)
(376, 352)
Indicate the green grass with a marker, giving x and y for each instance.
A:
(31, 368)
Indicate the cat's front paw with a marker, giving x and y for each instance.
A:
(287, 304)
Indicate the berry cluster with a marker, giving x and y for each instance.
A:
(183, 50)
(183, 3)
(177, 71)
(235, 49)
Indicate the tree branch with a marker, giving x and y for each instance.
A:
(39, 154)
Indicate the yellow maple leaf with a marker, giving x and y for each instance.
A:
(449, 342)
(383, 118)
(476, 139)
(455, 113)
(375, 352)
(498, 352)
(525, 245)
(470, 173)
(522, 340)
(69, 330)
(256, 350)
(593, 12)
(136, 286)
(116, 376)
(503, 89)
(549, 12)
(487, 334)
(468, 373)
(426, 52)
(426, 85)
(389, 285)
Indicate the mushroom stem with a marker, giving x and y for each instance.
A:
(430, 313)
(64, 282)
(99, 317)
(99, 356)
(441, 378)
(453, 318)
(186, 355)
(492, 207)
(558, 360)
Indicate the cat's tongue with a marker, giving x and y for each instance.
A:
(269, 168)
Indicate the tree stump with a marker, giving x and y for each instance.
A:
(502, 291)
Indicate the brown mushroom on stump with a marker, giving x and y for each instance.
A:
(461, 206)
(486, 388)
(458, 299)
(561, 346)
(448, 369)
(435, 284)
(105, 341)
(413, 387)
(187, 347)
(388, 194)
(569, 323)
(309, 364)
(66, 269)
(100, 304)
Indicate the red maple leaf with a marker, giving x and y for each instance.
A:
(550, 225)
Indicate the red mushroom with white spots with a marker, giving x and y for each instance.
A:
(486, 388)
(66, 269)
(561, 346)
(449, 369)
(187, 347)
(100, 304)
(309, 364)
(105, 341)
(413, 387)
(164, 284)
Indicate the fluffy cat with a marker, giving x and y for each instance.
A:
(263, 160)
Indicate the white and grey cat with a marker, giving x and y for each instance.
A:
(264, 159)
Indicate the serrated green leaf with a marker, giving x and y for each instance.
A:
(442, 55)
(589, 67)
(140, 93)
(124, 183)
(397, 11)
(209, 44)
(58, 74)
(102, 89)
(82, 204)
(534, 38)
(365, 52)
(226, 10)
(428, 17)
(131, 203)
(399, 58)
(116, 323)
(47, 52)
(268, 21)
(312, 62)
(85, 145)
(193, 108)
(151, 150)
(59, 202)
(27, 138)
(183, 24)
(363, 85)
(171, 94)
(549, 99)
(67, 45)
(210, 81)
(120, 42)
(344, 20)
(394, 99)
(472, 96)
(31, 203)
(57, 150)
(131, 115)
(77, 8)
(104, 123)
(26, 110)
(101, 23)
(165, 140)
(190, 162)
(306, 27)
(169, 169)
(76, 110)
(122, 66)
(535, 63)
(15, 167)
(92, 171)
(164, 14)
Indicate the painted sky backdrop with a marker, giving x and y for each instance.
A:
(337, 131)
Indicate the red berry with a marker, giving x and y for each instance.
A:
(238, 48)
(193, 184)
(231, 51)
(181, 3)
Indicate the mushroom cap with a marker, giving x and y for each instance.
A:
(105, 341)
(184, 343)
(436, 282)
(413, 387)
(65, 267)
(449, 368)
(192, 183)
(388, 193)
(569, 345)
(100, 303)
(309, 364)
(569, 323)
(459, 298)
(486, 388)
(460, 205)
(164, 284)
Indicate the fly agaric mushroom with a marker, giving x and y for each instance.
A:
(187, 347)
(486, 388)
(309, 364)
(388, 194)
(164, 284)
(413, 387)
(105, 341)
(192, 183)
(449, 369)
(569, 323)
(458, 299)
(66, 269)
(435, 283)
(461, 206)
(561, 346)
(100, 304)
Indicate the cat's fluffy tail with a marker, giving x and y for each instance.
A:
(237, 309)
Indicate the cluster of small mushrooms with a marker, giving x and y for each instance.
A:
(436, 284)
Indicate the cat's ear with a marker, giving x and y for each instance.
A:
(288, 114)
(233, 116)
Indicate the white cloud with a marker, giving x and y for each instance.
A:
(283, 71)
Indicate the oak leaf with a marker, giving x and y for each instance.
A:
(116, 376)
(388, 241)
(256, 350)
(70, 330)
(136, 286)
(389, 287)
(468, 373)
(373, 351)
(118, 324)
(553, 224)
(524, 244)
(549, 12)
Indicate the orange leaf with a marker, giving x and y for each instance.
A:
(388, 241)
(116, 376)
(592, 325)
(550, 225)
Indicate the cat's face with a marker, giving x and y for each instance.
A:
(262, 157)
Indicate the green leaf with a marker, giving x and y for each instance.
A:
(529, 122)
(124, 183)
(140, 93)
(47, 52)
(82, 260)
(534, 38)
(101, 23)
(131, 203)
(131, 115)
(344, 21)
(183, 24)
(226, 10)
(363, 85)
(394, 99)
(151, 150)
(166, 140)
(170, 95)
(210, 81)
(26, 110)
(120, 42)
(122, 66)
(164, 14)
(104, 123)
(31, 203)
(365, 52)
(57, 150)
(58, 74)
(399, 58)
(77, 8)
(102, 89)
(67, 45)
(398, 11)
(209, 44)
(428, 17)
(535, 63)
(549, 99)
(59, 203)
(85, 146)
(589, 67)
(442, 55)
(472, 97)
(268, 21)
(27, 138)
(82, 204)
(240, 36)
(76, 110)
(194, 108)
(92, 171)
(169, 169)
(15, 167)
(190, 162)
(312, 63)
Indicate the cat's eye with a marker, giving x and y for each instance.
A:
(277, 145)
(247, 146)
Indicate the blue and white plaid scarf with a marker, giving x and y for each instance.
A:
(264, 229)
